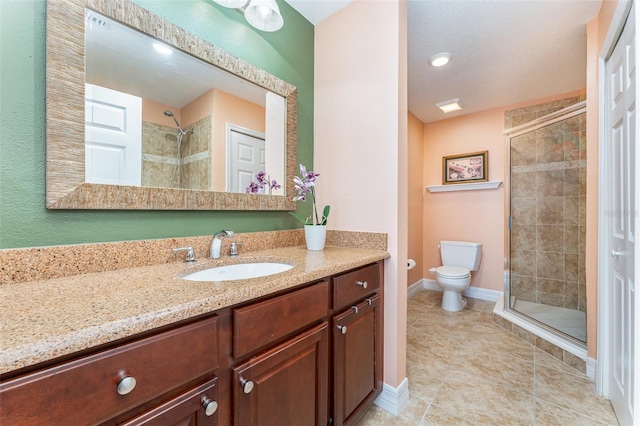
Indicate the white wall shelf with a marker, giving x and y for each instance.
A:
(465, 186)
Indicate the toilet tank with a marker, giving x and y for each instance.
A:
(461, 253)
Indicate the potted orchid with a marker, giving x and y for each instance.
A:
(315, 227)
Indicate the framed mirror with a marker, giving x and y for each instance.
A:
(182, 158)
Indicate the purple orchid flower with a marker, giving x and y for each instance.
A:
(304, 185)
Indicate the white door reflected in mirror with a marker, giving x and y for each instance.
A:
(246, 157)
(113, 133)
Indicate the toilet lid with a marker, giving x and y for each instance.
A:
(452, 272)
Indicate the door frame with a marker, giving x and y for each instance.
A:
(604, 370)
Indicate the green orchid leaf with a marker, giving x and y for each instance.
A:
(325, 215)
(301, 219)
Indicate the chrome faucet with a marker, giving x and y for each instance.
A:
(190, 256)
(216, 242)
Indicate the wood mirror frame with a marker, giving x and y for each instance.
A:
(65, 109)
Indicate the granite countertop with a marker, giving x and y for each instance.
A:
(43, 320)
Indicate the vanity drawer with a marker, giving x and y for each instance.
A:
(354, 285)
(85, 391)
(257, 325)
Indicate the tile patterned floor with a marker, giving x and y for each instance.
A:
(465, 370)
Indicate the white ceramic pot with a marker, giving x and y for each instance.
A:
(315, 236)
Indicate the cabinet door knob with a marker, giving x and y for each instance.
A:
(343, 329)
(126, 384)
(616, 253)
(362, 284)
(247, 385)
(210, 407)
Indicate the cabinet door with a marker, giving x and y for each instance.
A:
(287, 385)
(197, 407)
(357, 357)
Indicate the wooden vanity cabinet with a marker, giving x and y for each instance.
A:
(310, 356)
(288, 385)
(357, 342)
(302, 360)
(282, 348)
(174, 369)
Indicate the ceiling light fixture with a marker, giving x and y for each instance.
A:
(231, 4)
(450, 105)
(440, 59)
(263, 15)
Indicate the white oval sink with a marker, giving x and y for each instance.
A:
(240, 271)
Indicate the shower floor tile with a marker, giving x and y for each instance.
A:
(568, 321)
(465, 370)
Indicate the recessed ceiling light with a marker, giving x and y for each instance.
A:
(440, 59)
(450, 105)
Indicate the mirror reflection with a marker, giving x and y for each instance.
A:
(158, 117)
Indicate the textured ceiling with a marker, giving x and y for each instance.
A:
(504, 51)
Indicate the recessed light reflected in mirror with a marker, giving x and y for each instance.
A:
(161, 48)
(440, 59)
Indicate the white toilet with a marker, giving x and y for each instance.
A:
(459, 258)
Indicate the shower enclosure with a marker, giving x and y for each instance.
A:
(545, 250)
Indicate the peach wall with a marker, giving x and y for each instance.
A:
(225, 108)
(153, 112)
(231, 109)
(360, 143)
(466, 215)
(415, 201)
(197, 109)
(469, 215)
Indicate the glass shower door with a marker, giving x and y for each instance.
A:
(547, 200)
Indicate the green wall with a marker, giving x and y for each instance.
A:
(24, 220)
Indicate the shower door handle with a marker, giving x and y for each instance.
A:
(616, 253)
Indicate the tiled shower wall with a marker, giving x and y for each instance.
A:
(159, 156)
(548, 175)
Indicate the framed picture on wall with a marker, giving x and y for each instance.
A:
(465, 168)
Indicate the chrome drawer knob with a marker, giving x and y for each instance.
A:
(342, 329)
(362, 284)
(210, 407)
(126, 385)
(247, 385)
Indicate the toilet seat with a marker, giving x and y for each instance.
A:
(453, 272)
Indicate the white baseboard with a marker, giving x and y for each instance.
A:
(415, 288)
(592, 367)
(394, 400)
(473, 292)
(430, 285)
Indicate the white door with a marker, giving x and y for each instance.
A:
(246, 158)
(621, 140)
(113, 137)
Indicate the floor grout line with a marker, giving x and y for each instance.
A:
(449, 362)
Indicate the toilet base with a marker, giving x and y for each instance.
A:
(453, 301)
